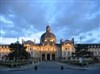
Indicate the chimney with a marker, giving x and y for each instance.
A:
(72, 40)
(61, 41)
(22, 41)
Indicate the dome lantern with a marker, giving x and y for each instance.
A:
(48, 29)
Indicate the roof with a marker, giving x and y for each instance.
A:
(4, 44)
(89, 45)
(67, 41)
(48, 36)
(29, 42)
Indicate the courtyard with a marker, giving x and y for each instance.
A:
(52, 68)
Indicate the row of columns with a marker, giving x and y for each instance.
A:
(48, 57)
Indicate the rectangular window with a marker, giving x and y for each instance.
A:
(64, 53)
(68, 53)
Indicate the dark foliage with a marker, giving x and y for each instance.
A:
(18, 52)
(82, 51)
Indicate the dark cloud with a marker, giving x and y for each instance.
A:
(67, 18)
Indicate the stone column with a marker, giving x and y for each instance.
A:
(41, 57)
(50, 57)
(45, 57)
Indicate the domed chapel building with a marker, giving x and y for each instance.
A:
(48, 49)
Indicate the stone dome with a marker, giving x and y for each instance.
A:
(28, 42)
(67, 42)
(48, 37)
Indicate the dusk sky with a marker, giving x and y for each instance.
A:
(27, 19)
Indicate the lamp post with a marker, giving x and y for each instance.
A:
(81, 58)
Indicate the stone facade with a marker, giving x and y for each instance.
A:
(48, 49)
(4, 51)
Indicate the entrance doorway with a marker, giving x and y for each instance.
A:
(43, 57)
(53, 56)
(48, 57)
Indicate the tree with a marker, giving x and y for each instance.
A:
(82, 51)
(18, 52)
(83, 55)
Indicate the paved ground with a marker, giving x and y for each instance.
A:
(51, 68)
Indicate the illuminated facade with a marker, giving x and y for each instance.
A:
(4, 51)
(48, 49)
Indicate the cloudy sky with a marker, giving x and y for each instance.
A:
(27, 19)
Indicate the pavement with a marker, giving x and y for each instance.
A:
(56, 65)
(50, 68)
(25, 67)
(89, 67)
